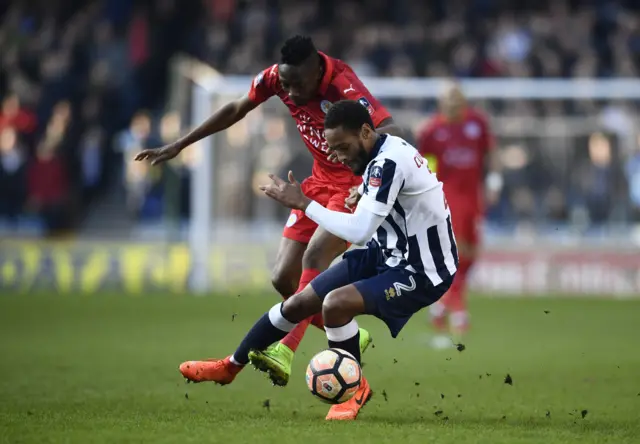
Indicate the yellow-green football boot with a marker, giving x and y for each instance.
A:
(276, 360)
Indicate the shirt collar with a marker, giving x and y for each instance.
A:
(376, 148)
(328, 73)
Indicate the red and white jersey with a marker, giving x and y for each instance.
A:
(460, 149)
(338, 83)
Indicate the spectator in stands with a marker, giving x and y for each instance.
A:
(48, 188)
(113, 52)
(110, 52)
(131, 140)
(59, 131)
(555, 205)
(142, 184)
(182, 168)
(632, 170)
(106, 62)
(14, 116)
(596, 180)
(137, 136)
(169, 128)
(62, 112)
(56, 81)
(91, 156)
(512, 42)
(64, 132)
(12, 174)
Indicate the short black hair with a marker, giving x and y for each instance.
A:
(348, 114)
(296, 50)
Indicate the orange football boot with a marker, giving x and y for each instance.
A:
(220, 371)
(348, 411)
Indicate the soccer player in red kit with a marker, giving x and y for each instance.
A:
(308, 82)
(459, 144)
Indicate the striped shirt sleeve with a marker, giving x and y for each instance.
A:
(382, 184)
(356, 228)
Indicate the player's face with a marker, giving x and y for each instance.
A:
(300, 82)
(352, 148)
(452, 103)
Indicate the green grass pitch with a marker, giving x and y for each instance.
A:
(104, 369)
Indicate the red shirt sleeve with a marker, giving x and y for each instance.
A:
(487, 139)
(425, 137)
(47, 181)
(264, 85)
(26, 122)
(352, 88)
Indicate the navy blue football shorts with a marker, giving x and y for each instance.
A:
(391, 294)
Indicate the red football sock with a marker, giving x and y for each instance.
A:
(438, 313)
(307, 276)
(292, 340)
(317, 321)
(455, 299)
(464, 264)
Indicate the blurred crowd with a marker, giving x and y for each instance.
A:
(83, 85)
(467, 38)
(73, 75)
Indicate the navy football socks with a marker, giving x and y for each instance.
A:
(351, 345)
(263, 334)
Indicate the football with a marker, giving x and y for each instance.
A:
(333, 375)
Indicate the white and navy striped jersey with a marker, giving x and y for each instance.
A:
(416, 233)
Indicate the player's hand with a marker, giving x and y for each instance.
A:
(159, 155)
(288, 193)
(333, 157)
(352, 201)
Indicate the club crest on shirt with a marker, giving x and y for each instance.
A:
(441, 135)
(375, 177)
(258, 79)
(325, 105)
(364, 102)
(472, 130)
(292, 220)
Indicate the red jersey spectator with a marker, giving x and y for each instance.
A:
(12, 115)
(12, 174)
(48, 187)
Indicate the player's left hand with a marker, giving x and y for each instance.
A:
(288, 194)
(333, 157)
(351, 202)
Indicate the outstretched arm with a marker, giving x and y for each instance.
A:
(356, 228)
(222, 119)
(228, 115)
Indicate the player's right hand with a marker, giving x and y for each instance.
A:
(159, 155)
